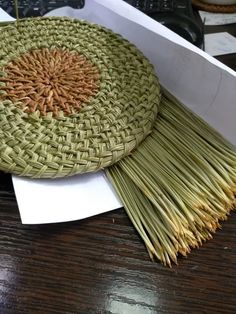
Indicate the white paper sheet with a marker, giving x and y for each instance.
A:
(200, 81)
(4, 17)
(77, 197)
(220, 44)
(217, 18)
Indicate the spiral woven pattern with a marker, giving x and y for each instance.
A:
(91, 102)
(50, 81)
(215, 8)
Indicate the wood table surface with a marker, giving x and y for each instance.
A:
(100, 265)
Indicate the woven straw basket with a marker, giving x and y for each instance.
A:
(75, 98)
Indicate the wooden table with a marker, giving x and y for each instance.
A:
(100, 265)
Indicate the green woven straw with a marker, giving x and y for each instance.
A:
(75, 97)
(107, 126)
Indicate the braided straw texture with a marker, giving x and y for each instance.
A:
(215, 8)
(104, 125)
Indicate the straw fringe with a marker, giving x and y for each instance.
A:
(178, 184)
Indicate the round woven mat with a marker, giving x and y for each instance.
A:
(215, 8)
(74, 97)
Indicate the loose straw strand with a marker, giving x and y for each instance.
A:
(16, 10)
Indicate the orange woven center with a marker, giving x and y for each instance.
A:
(50, 81)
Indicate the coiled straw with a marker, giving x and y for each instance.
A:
(79, 98)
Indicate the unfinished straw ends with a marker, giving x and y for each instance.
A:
(178, 184)
(74, 97)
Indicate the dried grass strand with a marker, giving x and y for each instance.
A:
(188, 184)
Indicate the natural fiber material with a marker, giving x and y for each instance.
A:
(50, 81)
(75, 97)
(215, 8)
(178, 184)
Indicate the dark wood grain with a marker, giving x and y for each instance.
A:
(100, 265)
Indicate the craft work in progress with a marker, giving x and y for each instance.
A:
(76, 97)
